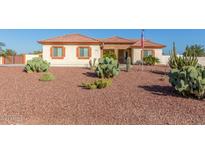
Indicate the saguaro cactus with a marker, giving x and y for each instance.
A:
(128, 64)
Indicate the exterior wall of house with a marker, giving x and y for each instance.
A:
(137, 54)
(71, 58)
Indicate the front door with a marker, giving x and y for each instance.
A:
(122, 56)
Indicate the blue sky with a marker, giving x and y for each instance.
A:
(25, 40)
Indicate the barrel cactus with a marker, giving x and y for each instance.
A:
(107, 68)
(37, 65)
(189, 81)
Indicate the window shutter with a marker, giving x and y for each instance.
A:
(89, 52)
(63, 51)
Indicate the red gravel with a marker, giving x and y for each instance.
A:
(136, 97)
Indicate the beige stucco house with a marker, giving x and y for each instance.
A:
(77, 49)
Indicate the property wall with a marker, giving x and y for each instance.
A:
(1, 60)
(164, 60)
(70, 58)
(30, 57)
(136, 54)
(27, 57)
(201, 60)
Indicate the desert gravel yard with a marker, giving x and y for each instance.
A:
(136, 97)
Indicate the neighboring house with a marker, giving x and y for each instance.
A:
(77, 49)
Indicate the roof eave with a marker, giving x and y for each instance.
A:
(117, 42)
(65, 43)
(153, 47)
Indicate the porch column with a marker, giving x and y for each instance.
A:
(116, 53)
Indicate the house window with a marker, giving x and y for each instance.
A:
(57, 52)
(148, 53)
(83, 52)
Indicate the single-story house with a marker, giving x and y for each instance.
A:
(77, 49)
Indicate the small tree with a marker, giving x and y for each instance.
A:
(194, 50)
(109, 54)
(1, 45)
(7, 52)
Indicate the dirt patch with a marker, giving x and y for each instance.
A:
(135, 97)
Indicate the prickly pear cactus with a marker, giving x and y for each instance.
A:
(189, 81)
(37, 65)
(107, 68)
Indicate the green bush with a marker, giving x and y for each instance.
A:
(98, 84)
(189, 80)
(107, 67)
(150, 60)
(37, 65)
(47, 77)
(110, 55)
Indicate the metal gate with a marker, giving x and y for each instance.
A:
(18, 59)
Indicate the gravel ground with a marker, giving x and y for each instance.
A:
(135, 97)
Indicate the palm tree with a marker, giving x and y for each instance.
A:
(1, 45)
(195, 50)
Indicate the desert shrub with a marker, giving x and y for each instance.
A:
(109, 55)
(92, 64)
(150, 60)
(47, 77)
(37, 64)
(139, 62)
(107, 67)
(98, 84)
(189, 80)
(128, 64)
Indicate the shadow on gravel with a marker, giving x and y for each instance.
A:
(166, 91)
(160, 90)
(159, 72)
(90, 74)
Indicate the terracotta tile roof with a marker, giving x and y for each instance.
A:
(148, 44)
(70, 38)
(80, 39)
(134, 39)
(116, 39)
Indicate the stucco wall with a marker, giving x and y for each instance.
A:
(164, 60)
(70, 58)
(30, 57)
(201, 60)
(0, 60)
(136, 54)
